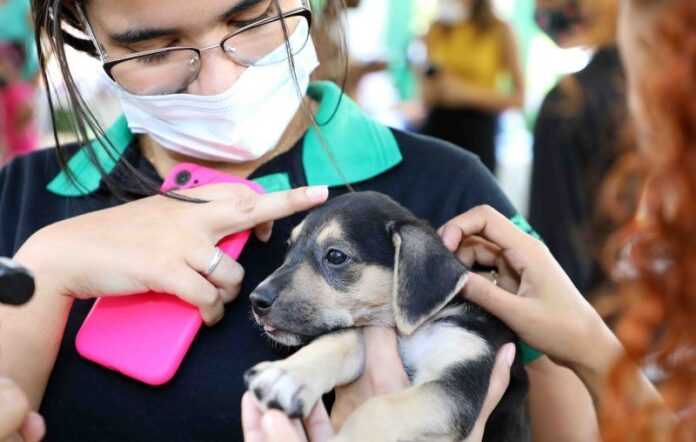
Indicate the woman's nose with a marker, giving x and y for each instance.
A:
(218, 73)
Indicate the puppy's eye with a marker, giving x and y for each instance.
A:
(336, 257)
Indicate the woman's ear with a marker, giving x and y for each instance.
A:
(426, 275)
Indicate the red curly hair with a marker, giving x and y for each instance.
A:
(653, 258)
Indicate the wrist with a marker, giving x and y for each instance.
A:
(33, 256)
(598, 361)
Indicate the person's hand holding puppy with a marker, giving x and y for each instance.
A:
(274, 426)
(548, 313)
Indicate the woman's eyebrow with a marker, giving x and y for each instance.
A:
(240, 7)
(138, 35)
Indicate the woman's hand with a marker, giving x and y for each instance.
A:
(500, 379)
(159, 244)
(384, 374)
(274, 426)
(548, 312)
(17, 422)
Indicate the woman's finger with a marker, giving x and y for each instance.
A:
(192, 287)
(500, 379)
(263, 231)
(251, 420)
(242, 213)
(492, 226)
(318, 424)
(278, 428)
(493, 299)
(14, 407)
(226, 276)
(34, 428)
(476, 250)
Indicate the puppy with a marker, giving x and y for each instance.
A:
(362, 259)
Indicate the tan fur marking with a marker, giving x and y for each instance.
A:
(369, 301)
(332, 230)
(296, 232)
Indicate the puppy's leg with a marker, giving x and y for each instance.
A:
(295, 384)
(420, 413)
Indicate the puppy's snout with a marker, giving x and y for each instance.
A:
(262, 300)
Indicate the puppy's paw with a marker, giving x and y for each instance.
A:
(274, 386)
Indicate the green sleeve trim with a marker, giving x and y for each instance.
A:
(274, 182)
(86, 176)
(361, 147)
(528, 353)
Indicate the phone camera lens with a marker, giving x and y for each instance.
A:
(182, 177)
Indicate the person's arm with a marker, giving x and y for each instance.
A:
(31, 334)
(547, 313)
(560, 407)
(155, 243)
(452, 91)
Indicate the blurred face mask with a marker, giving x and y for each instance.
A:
(452, 12)
(241, 124)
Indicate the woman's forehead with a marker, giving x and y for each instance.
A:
(120, 15)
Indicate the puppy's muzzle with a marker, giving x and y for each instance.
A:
(262, 300)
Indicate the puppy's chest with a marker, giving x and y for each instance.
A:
(437, 346)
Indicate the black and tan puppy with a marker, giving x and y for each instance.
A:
(362, 259)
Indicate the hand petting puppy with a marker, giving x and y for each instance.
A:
(274, 426)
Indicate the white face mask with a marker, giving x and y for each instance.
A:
(241, 124)
(453, 11)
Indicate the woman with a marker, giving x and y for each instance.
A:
(470, 50)
(223, 83)
(652, 258)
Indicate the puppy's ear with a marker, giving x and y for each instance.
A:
(426, 275)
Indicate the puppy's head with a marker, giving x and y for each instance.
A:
(361, 259)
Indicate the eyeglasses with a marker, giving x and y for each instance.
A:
(171, 70)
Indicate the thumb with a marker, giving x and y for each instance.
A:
(34, 428)
(279, 428)
(498, 302)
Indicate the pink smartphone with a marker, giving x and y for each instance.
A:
(146, 336)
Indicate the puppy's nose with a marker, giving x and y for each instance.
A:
(262, 300)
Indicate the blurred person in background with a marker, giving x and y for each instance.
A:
(470, 52)
(18, 133)
(577, 137)
(331, 45)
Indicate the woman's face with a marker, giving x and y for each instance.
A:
(123, 27)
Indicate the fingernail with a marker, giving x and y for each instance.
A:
(317, 193)
(509, 353)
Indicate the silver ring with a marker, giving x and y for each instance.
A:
(494, 275)
(217, 257)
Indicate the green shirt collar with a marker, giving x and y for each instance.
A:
(361, 149)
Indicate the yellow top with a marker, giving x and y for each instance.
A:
(472, 55)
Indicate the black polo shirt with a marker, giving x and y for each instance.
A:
(84, 401)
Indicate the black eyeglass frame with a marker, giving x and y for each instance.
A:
(108, 65)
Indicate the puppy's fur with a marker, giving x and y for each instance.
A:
(362, 259)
